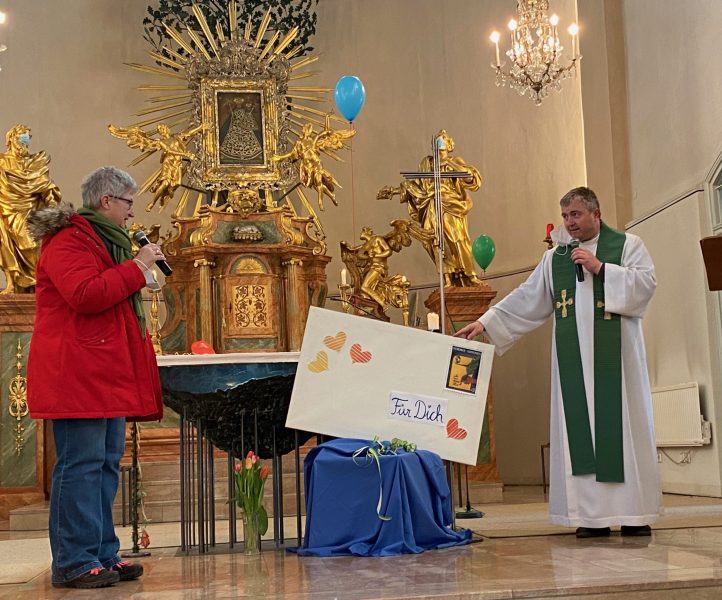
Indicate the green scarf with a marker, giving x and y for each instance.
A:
(120, 251)
(604, 457)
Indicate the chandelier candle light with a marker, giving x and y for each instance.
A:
(535, 51)
(3, 47)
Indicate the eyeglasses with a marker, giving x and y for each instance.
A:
(128, 202)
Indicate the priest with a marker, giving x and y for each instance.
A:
(597, 283)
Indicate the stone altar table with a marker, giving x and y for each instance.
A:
(233, 402)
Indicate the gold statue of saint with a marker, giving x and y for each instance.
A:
(307, 149)
(173, 151)
(456, 204)
(25, 186)
(368, 265)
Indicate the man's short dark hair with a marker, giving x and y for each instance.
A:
(584, 194)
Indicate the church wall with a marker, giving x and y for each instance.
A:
(63, 76)
(676, 332)
(605, 106)
(425, 65)
(675, 127)
(675, 96)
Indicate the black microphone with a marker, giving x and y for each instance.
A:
(143, 240)
(580, 269)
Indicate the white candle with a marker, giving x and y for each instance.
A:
(494, 37)
(554, 21)
(432, 321)
(512, 28)
(573, 30)
(344, 275)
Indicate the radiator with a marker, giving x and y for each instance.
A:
(677, 416)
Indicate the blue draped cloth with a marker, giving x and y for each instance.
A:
(342, 496)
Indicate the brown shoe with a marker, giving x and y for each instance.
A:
(636, 530)
(592, 532)
(95, 578)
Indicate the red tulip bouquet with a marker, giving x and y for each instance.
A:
(250, 479)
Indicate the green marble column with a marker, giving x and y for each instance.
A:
(18, 439)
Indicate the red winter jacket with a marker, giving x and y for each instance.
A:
(87, 356)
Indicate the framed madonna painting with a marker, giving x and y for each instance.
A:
(240, 137)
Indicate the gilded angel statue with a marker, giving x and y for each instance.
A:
(368, 264)
(173, 151)
(25, 186)
(456, 203)
(307, 150)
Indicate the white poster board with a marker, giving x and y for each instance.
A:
(358, 377)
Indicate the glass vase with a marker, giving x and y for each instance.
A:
(251, 537)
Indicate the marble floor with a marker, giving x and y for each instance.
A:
(681, 562)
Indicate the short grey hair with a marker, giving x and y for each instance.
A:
(106, 181)
(587, 196)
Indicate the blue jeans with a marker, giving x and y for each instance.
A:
(85, 481)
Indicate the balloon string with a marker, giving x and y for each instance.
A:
(353, 190)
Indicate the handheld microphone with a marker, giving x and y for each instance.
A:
(580, 269)
(143, 240)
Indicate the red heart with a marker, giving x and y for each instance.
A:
(454, 431)
(358, 355)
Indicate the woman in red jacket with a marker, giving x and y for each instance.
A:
(91, 365)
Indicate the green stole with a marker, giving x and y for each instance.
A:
(608, 460)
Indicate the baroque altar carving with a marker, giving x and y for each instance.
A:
(241, 293)
(238, 139)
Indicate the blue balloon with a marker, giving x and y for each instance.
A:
(350, 96)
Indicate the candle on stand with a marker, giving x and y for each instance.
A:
(573, 30)
(550, 228)
(494, 37)
(432, 321)
(512, 25)
(553, 21)
(344, 276)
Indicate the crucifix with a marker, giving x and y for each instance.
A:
(607, 316)
(564, 303)
(438, 144)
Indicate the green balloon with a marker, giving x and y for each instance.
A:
(483, 249)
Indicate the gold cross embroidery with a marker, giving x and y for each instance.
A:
(564, 303)
(607, 316)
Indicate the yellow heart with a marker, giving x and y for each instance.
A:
(320, 363)
(335, 342)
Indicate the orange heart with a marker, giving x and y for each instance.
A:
(320, 363)
(335, 342)
(454, 431)
(358, 355)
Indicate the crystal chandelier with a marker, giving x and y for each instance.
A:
(535, 52)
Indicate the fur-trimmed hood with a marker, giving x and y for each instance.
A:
(47, 221)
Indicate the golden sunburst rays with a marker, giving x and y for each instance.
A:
(175, 102)
(262, 28)
(200, 17)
